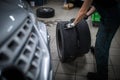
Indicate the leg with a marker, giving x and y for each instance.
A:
(103, 42)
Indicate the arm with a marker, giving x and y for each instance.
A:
(92, 10)
(83, 10)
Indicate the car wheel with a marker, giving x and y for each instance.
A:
(66, 42)
(45, 12)
(12, 72)
(84, 37)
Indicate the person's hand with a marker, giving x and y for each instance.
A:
(70, 25)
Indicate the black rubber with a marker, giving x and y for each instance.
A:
(73, 42)
(66, 42)
(45, 12)
(12, 72)
(84, 37)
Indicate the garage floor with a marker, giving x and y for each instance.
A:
(78, 69)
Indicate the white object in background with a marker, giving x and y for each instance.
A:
(32, 3)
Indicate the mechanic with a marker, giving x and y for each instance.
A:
(90, 11)
(110, 22)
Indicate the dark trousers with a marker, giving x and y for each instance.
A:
(102, 46)
(104, 38)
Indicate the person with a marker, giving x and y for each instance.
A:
(109, 11)
(90, 11)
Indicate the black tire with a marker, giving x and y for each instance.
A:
(73, 42)
(66, 42)
(45, 12)
(84, 37)
(12, 72)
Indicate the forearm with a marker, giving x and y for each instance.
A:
(92, 10)
(83, 10)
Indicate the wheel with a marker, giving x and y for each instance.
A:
(73, 42)
(84, 37)
(66, 42)
(12, 72)
(45, 12)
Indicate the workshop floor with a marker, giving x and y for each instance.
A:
(78, 69)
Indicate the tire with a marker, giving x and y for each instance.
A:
(66, 42)
(73, 42)
(12, 72)
(84, 37)
(45, 12)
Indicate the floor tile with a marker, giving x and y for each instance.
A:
(51, 31)
(114, 51)
(90, 58)
(67, 68)
(64, 77)
(81, 59)
(81, 78)
(55, 65)
(115, 44)
(115, 60)
(87, 58)
(111, 74)
(117, 72)
(54, 55)
(53, 49)
(83, 69)
(117, 36)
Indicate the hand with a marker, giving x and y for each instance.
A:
(70, 25)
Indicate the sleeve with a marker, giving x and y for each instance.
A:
(93, 3)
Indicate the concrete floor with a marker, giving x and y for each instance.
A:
(78, 69)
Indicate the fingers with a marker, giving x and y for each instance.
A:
(70, 25)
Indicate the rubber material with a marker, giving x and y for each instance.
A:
(72, 42)
(84, 37)
(45, 12)
(66, 42)
(12, 72)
